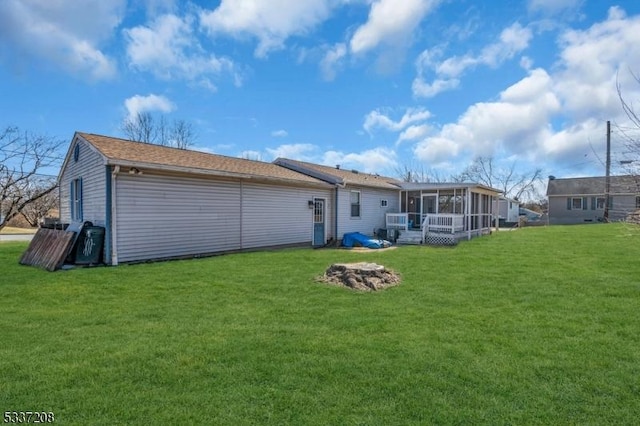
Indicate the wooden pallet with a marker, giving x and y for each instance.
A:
(48, 249)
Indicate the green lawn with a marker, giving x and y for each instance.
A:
(538, 326)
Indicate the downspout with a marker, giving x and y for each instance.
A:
(335, 215)
(114, 220)
(468, 212)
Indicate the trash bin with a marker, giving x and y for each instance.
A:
(89, 246)
(382, 234)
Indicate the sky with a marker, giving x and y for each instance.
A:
(372, 85)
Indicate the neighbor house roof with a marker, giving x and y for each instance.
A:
(143, 155)
(336, 175)
(593, 185)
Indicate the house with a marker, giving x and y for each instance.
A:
(582, 200)
(361, 200)
(507, 210)
(157, 202)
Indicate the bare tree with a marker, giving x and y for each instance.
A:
(182, 134)
(24, 157)
(631, 162)
(144, 127)
(514, 183)
(140, 128)
(416, 173)
(40, 208)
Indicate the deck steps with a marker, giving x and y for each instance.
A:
(409, 237)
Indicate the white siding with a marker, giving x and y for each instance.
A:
(372, 213)
(91, 168)
(160, 216)
(279, 215)
(168, 216)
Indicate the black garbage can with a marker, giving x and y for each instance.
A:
(89, 246)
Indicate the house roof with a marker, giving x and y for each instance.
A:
(593, 185)
(143, 155)
(417, 186)
(340, 176)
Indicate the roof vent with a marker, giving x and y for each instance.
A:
(552, 177)
(354, 171)
(338, 166)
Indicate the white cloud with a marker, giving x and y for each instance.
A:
(332, 60)
(389, 21)
(169, 49)
(60, 33)
(413, 133)
(374, 160)
(298, 151)
(270, 22)
(377, 119)
(139, 104)
(279, 133)
(517, 122)
(590, 60)
(513, 40)
(422, 89)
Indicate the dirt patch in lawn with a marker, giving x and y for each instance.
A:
(361, 276)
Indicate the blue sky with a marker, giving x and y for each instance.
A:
(373, 85)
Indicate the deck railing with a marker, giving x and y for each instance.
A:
(443, 223)
(397, 221)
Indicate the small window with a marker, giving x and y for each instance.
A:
(355, 203)
(600, 203)
(75, 196)
(637, 202)
(383, 203)
(576, 203)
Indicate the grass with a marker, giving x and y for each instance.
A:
(538, 326)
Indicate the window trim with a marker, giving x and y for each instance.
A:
(600, 203)
(358, 204)
(75, 200)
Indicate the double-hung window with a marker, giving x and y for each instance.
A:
(76, 200)
(355, 203)
(576, 203)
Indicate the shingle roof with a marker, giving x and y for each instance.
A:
(128, 153)
(593, 185)
(341, 176)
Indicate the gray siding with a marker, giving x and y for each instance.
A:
(91, 168)
(279, 215)
(559, 214)
(159, 216)
(372, 214)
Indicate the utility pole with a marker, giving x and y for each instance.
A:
(607, 182)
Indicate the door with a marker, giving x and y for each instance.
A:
(318, 222)
(429, 205)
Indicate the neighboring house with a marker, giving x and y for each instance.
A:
(158, 202)
(582, 200)
(507, 210)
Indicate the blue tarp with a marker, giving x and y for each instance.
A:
(356, 239)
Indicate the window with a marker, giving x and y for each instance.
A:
(355, 203)
(76, 200)
(576, 203)
(383, 203)
(637, 202)
(600, 203)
